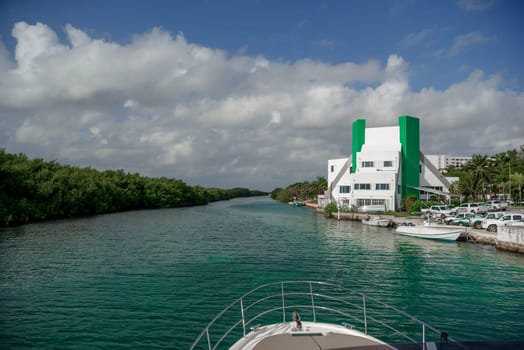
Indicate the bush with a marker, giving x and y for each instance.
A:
(330, 209)
(408, 202)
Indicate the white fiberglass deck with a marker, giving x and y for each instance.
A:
(312, 336)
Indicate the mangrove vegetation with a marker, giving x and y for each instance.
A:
(35, 190)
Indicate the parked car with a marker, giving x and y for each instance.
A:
(492, 225)
(475, 208)
(467, 221)
(459, 219)
(476, 222)
(441, 211)
(496, 205)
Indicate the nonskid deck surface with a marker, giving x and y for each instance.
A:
(313, 336)
(317, 342)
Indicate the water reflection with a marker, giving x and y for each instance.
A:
(182, 266)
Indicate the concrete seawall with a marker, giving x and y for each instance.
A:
(511, 238)
(355, 216)
(508, 238)
(481, 237)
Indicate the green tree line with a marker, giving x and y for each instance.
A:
(301, 191)
(486, 176)
(34, 190)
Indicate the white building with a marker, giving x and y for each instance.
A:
(387, 167)
(442, 161)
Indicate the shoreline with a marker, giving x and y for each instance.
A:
(472, 235)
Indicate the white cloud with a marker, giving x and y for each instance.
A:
(462, 42)
(162, 106)
(35, 42)
(29, 133)
(76, 37)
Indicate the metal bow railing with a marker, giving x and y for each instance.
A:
(314, 299)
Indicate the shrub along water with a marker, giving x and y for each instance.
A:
(35, 190)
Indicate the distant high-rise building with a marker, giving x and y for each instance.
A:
(442, 161)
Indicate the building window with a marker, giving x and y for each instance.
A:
(332, 168)
(367, 164)
(362, 186)
(368, 201)
(388, 164)
(363, 201)
(344, 189)
(382, 187)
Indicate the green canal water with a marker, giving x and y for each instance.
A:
(154, 279)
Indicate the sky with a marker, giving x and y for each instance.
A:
(254, 93)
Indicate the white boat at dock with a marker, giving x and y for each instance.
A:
(431, 231)
(377, 221)
(349, 314)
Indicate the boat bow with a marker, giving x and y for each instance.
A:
(272, 316)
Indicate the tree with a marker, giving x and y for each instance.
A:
(34, 190)
(467, 185)
(480, 169)
(408, 202)
(319, 185)
(330, 209)
(518, 180)
(301, 191)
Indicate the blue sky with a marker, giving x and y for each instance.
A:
(422, 32)
(455, 64)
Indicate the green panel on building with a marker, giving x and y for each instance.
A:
(410, 140)
(359, 138)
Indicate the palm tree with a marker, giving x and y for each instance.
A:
(480, 168)
(319, 185)
(518, 179)
(467, 185)
(500, 168)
